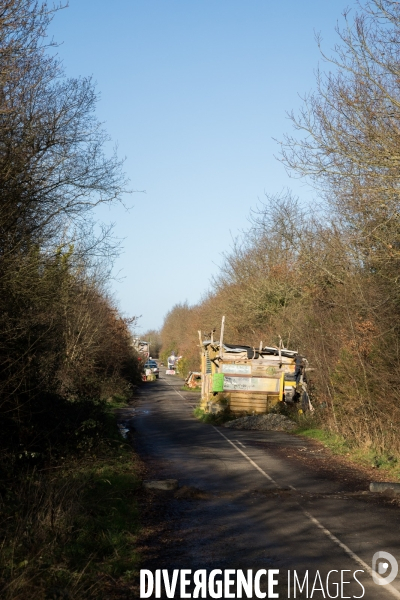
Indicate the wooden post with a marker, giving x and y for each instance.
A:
(281, 387)
(221, 339)
(203, 367)
(260, 347)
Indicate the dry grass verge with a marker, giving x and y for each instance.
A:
(70, 532)
(387, 466)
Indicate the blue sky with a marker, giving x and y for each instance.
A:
(193, 92)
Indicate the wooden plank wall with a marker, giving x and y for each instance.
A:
(206, 389)
(248, 402)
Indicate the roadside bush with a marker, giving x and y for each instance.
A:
(183, 367)
(219, 418)
(64, 347)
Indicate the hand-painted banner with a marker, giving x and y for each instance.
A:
(254, 384)
(236, 369)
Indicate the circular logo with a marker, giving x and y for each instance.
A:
(379, 568)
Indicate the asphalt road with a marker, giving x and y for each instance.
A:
(243, 507)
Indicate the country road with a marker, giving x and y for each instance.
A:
(243, 505)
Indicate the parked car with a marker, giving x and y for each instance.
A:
(153, 366)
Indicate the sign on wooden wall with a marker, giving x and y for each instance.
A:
(236, 369)
(253, 384)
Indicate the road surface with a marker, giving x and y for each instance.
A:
(243, 506)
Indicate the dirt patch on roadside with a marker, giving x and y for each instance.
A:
(187, 492)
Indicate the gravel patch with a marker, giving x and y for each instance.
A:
(269, 422)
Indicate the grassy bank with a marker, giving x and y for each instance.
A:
(364, 456)
(69, 531)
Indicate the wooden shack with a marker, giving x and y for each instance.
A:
(249, 380)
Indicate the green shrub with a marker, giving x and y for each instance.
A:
(214, 418)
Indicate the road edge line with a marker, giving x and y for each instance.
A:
(388, 587)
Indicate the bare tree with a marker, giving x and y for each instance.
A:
(53, 169)
(349, 143)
